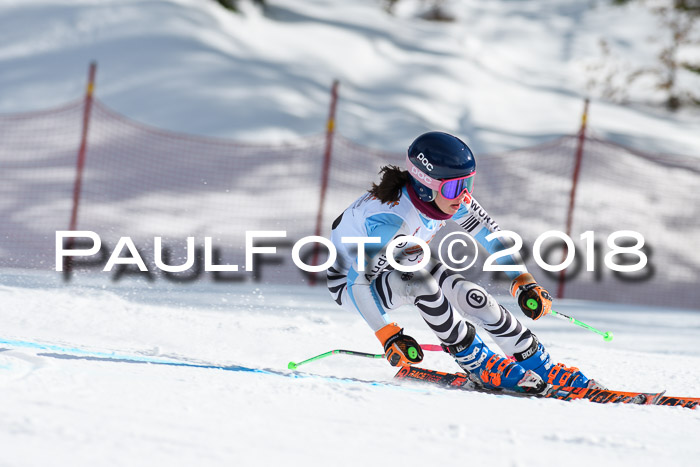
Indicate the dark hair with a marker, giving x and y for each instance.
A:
(389, 188)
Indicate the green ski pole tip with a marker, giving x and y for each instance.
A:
(608, 336)
(293, 366)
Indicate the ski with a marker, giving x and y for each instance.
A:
(601, 396)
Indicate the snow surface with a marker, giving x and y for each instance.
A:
(506, 75)
(68, 405)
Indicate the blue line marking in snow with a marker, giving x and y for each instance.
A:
(113, 356)
(74, 353)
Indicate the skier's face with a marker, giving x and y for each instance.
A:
(450, 206)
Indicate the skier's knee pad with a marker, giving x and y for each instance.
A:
(397, 288)
(473, 301)
(420, 283)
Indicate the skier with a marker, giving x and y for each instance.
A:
(436, 187)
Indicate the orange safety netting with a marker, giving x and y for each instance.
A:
(143, 182)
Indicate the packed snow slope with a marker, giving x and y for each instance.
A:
(74, 392)
(503, 75)
(84, 373)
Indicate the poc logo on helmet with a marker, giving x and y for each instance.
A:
(424, 161)
(420, 175)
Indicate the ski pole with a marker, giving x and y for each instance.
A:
(432, 348)
(607, 336)
(294, 366)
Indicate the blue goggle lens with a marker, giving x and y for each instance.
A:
(453, 188)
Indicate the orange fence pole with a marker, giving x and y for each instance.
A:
(572, 195)
(325, 173)
(77, 186)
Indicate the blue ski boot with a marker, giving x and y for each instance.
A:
(492, 371)
(537, 359)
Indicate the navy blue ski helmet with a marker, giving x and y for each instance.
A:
(435, 157)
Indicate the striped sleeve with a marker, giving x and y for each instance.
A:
(361, 283)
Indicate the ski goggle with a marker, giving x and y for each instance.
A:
(450, 189)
